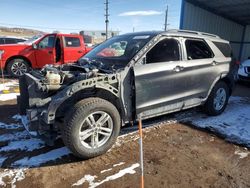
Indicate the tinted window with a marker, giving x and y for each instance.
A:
(20, 40)
(197, 49)
(10, 40)
(165, 50)
(1, 41)
(47, 42)
(72, 42)
(225, 48)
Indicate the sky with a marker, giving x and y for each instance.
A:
(75, 15)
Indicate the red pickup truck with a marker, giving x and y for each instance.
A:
(55, 48)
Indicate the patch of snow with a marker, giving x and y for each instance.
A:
(42, 158)
(87, 178)
(26, 145)
(233, 123)
(119, 164)
(103, 171)
(90, 179)
(7, 85)
(241, 154)
(25, 123)
(9, 126)
(14, 136)
(15, 176)
(9, 96)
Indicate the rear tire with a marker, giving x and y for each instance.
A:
(17, 67)
(91, 127)
(217, 100)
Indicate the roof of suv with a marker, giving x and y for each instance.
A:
(184, 33)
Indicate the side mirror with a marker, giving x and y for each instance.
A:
(34, 45)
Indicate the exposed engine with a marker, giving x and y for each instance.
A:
(52, 78)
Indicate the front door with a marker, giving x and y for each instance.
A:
(160, 82)
(45, 52)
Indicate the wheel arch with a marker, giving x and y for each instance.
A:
(87, 93)
(224, 78)
(17, 57)
(229, 83)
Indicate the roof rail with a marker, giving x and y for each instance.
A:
(194, 32)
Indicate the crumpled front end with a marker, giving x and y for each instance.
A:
(42, 94)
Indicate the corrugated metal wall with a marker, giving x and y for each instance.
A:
(195, 18)
(246, 46)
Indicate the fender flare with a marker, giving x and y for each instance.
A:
(218, 78)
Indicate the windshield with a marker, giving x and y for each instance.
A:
(118, 51)
(33, 39)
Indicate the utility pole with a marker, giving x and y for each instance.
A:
(107, 17)
(166, 20)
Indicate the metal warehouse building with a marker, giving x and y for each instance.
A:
(230, 19)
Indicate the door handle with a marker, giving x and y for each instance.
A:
(80, 51)
(50, 52)
(178, 68)
(215, 62)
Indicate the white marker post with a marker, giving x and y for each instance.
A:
(141, 152)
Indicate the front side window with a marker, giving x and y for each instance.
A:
(47, 42)
(166, 50)
(72, 42)
(197, 49)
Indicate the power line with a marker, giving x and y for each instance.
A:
(166, 20)
(107, 17)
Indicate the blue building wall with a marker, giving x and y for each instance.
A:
(196, 18)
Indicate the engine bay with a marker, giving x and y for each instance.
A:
(52, 77)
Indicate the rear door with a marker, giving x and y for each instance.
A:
(45, 52)
(73, 48)
(2, 41)
(160, 82)
(201, 67)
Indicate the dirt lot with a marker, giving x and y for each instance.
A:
(175, 154)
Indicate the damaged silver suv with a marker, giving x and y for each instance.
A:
(131, 76)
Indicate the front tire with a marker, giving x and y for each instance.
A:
(91, 127)
(217, 100)
(17, 67)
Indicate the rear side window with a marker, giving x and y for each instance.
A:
(72, 42)
(10, 40)
(198, 49)
(166, 50)
(20, 40)
(1, 41)
(225, 48)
